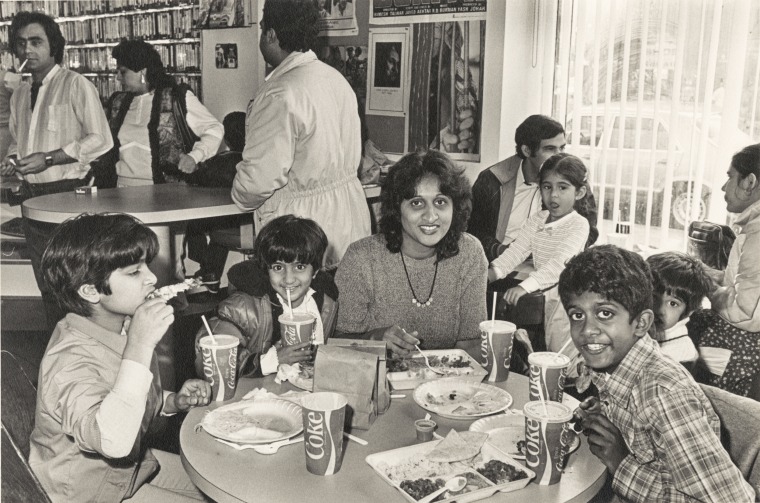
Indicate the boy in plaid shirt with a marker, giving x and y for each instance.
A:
(651, 425)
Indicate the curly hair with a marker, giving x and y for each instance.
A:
(136, 55)
(401, 185)
(747, 161)
(533, 130)
(52, 31)
(614, 273)
(572, 169)
(682, 276)
(290, 239)
(294, 22)
(86, 249)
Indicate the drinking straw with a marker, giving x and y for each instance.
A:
(565, 345)
(493, 311)
(208, 329)
(290, 306)
(542, 398)
(355, 438)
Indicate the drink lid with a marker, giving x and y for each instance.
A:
(548, 359)
(555, 412)
(296, 318)
(497, 326)
(222, 341)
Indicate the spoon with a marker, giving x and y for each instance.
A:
(456, 484)
(440, 372)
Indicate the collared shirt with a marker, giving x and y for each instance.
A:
(671, 430)
(93, 408)
(551, 244)
(677, 344)
(525, 204)
(135, 160)
(68, 115)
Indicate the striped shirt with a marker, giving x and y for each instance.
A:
(67, 115)
(671, 430)
(552, 244)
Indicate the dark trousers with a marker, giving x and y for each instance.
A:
(210, 255)
(37, 235)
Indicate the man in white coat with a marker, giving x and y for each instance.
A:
(303, 136)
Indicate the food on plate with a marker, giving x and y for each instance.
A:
(242, 424)
(480, 402)
(458, 446)
(415, 367)
(500, 472)
(420, 488)
(170, 291)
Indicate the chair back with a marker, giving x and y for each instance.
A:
(19, 402)
(18, 480)
(740, 430)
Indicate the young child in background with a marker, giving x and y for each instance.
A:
(288, 254)
(99, 386)
(680, 283)
(552, 236)
(651, 425)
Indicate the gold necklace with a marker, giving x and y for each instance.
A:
(415, 301)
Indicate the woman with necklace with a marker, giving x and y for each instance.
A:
(422, 280)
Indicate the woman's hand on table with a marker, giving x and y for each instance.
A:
(399, 341)
(186, 164)
(294, 354)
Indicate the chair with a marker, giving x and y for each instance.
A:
(239, 240)
(740, 430)
(19, 400)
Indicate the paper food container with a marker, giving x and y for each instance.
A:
(390, 466)
(418, 373)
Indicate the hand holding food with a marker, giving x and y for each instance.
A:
(170, 291)
(400, 342)
(605, 441)
(150, 322)
(296, 353)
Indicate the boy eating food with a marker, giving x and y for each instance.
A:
(651, 425)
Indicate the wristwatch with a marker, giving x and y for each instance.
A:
(48, 160)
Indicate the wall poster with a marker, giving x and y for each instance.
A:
(405, 11)
(338, 18)
(387, 82)
(446, 88)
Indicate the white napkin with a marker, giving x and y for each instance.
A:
(286, 372)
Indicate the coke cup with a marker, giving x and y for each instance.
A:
(296, 327)
(547, 371)
(548, 437)
(496, 348)
(219, 358)
(324, 414)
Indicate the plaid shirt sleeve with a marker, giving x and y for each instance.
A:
(699, 468)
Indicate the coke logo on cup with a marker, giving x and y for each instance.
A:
(208, 365)
(232, 361)
(315, 436)
(565, 438)
(484, 347)
(535, 380)
(532, 442)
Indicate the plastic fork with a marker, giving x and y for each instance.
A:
(440, 372)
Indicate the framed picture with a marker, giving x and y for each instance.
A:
(387, 82)
(226, 56)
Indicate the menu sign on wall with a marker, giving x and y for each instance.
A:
(425, 11)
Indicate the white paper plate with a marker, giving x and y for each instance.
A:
(455, 398)
(254, 421)
(505, 431)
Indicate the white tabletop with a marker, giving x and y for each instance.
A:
(228, 475)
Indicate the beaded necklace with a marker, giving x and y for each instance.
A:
(415, 301)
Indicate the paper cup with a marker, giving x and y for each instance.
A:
(496, 348)
(220, 365)
(323, 416)
(424, 429)
(296, 328)
(548, 437)
(547, 371)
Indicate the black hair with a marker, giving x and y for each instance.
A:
(86, 249)
(680, 275)
(572, 169)
(616, 274)
(533, 130)
(290, 239)
(747, 161)
(234, 131)
(136, 55)
(52, 31)
(401, 185)
(294, 22)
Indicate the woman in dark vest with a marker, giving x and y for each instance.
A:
(149, 119)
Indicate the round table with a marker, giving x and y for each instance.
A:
(229, 475)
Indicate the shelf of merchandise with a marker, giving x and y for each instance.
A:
(93, 27)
